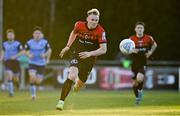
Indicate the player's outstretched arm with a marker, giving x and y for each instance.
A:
(72, 37)
(101, 50)
(48, 55)
(153, 48)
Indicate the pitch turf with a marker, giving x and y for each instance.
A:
(92, 103)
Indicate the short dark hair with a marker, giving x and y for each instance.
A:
(10, 31)
(37, 28)
(140, 23)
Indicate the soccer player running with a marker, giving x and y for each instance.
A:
(12, 49)
(144, 47)
(86, 41)
(39, 52)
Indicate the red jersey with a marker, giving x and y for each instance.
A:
(144, 43)
(88, 39)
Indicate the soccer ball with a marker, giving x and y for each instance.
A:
(126, 46)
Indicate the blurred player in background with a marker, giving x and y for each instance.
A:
(12, 49)
(39, 52)
(87, 41)
(144, 48)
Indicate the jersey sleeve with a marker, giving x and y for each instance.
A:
(151, 40)
(102, 37)
(27, 47)
(47, 46)
(131, 37)
(77, 27)
(19, 46)
(3, 47)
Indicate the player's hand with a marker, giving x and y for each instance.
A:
(63, 51)
(84, 55)
(148, 54)
(135, 50)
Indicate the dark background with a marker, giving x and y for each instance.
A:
(117, 17)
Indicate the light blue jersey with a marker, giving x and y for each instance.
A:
(11, 49)
(36, 48)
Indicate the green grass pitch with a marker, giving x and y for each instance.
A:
(92, 103)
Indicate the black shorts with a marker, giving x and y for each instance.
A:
(136, 68)
(12, 65)
(139, 63)
(39, 69)
(84, 66)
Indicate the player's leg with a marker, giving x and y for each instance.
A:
(9, 76)
(78, 85)
(135, 87)
(16, 73)
(138, 68)
(135, 70)
(73, 74)
(39, 79)
(32, 80)
(140, 78)
(84, 70)
(16, 79)
(39, 75)
(135, 83)
(136, 91)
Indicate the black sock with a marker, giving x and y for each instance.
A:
(66, 89)
(140, 86)
(135, 89)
